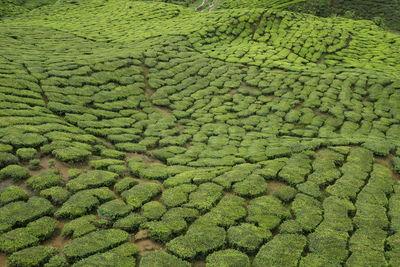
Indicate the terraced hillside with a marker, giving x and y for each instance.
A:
(149, 134)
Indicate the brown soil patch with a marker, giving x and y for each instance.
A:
(9, 182)
(57, 240)
(387, 162)
(3, 259)
(147, 245)
(142, 234)
(199, 263)
(273, 186)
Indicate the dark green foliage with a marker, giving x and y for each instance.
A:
(285, 193)
(42, 228)
(282, 250)
(161, 259)
(26, 154)
(17, 239)
(122, 255)
(113, 209)
(247, 237)
(24, 140)
(83, 202)
(56, 261)
(15, 172)
(71, 154)
(56, 194)
(228, 258)
(153, 210)
(141, 193)
(20, 213)
(12, 193)
(253, 185)
(7, 159)
(130, 223)
(308, 211)
(204, 197)
(80, 226)
(177, 195)
(44, 180)
(266, 212)
(198, 240)
(125, 184)
(94, 242)
(92, 179)
(31, 257)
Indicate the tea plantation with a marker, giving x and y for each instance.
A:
(224, 133)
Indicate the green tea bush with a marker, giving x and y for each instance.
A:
(80, 226)
(130, 223)
(141, 193)
(94, 242)
(44, 180)
(285, 193)
(252, 186)
(7, 159)
(15, 172)
(33, 256)
(12, 193)
(204, 197)
(161, 259)
(266, 212)
(153, 210)
(177, 195)
(247, 237)
(92, 179)
(71, 154)
(26, 154)
(228, 257)
(125, 184)
(56, 194)
(114, 209)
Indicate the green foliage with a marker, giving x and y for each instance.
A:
(141, 193)
(80, 226)
(92, 179)
(114, 209)
(228, 258)
(33, 256)
(44, 180)
(56, 194)
(266, 212)
(153, 210)
(161, 259)
(253, 185)
(130, 223)
(125, 184)
(94, 242)
(12, 193)
(7, 159)
(198, 240)
(285, 193)
(26, 154)
(282, 250)
(42, 228)
(15, 172)
(247, 237)
(72, 154)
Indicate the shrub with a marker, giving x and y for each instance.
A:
(266, 211)
(254, 185)
(42, 228)
(153, 210)
(92, 179)
(80, 226)
(198, 240)
(12, 193)
(94, 242)
(102, 164)
(7, 159)
(205, 196)
(178, 195)
(130, 223)
(15, 172)
(44, 180)
(125, 184)
(228, 258)
(32, 257)
(17, 239)
(308, 211)
(285, 193)
(141, 193)
(111, 153)
(26, 154)
(161, 259)
(131, 147)
(282, 250)
(83, 202)
(71, 154)
(20, 213)
(56, 261)
(56, 194)
(34, 164)
(24, 140)
(247, 237)
(114, 209)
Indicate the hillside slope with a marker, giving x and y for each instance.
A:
(148, 132)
